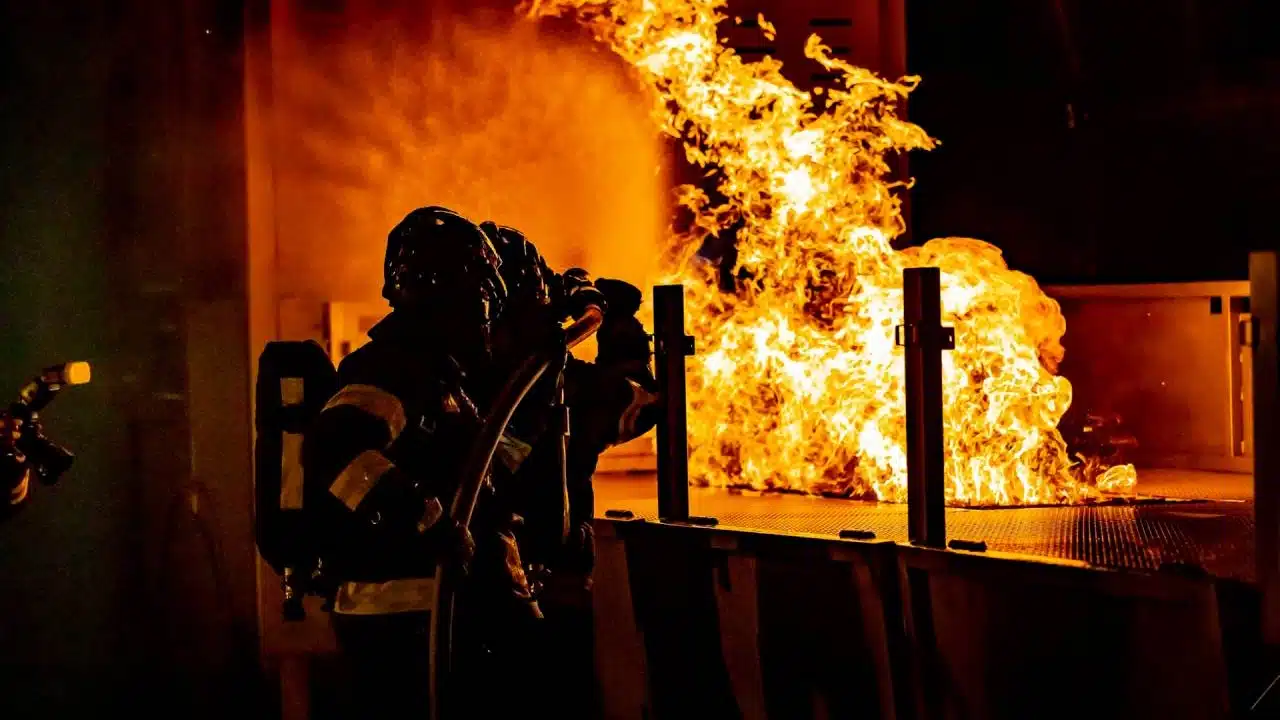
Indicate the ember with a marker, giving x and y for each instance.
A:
(798, 384)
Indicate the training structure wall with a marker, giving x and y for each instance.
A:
(1173, 361)
(718, 623)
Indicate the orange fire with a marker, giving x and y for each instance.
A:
(369, 120)
(798, 384)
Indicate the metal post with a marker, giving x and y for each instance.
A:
(1264, 276)
(671, 346)
(924, 338)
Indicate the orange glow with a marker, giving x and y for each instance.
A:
(488, 115)
(77, 373)
(798, 384)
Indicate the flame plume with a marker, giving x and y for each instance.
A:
(798, 384)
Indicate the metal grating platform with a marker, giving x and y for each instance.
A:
(1216, 533)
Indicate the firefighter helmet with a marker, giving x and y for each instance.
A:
(523, 268)
(437, 258)
(529, 278)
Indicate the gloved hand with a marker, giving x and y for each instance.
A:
(624, 298)
(580, 550)
(622, 341)
(456, 546)
(575, 293)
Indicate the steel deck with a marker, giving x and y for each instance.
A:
(1210, 526)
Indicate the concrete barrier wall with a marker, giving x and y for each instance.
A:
(712, 622)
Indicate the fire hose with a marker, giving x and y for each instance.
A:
(48, 459)
(476, 468)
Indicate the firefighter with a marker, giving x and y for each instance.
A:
(538, 296)
(382, 460)
(609, 401)
(612, 400)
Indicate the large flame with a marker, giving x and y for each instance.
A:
(798, 384)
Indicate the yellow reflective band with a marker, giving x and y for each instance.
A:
(19, 493)
(374, 401)
(450, 404)
(355, 482)
(640, 399)
(291, 391)
(291, 472)
(385, 598)
(512, 451)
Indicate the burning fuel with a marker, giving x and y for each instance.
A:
(798, 384)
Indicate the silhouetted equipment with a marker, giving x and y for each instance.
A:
(474, 470)
(46, 458)
(924, 338)
(295, 380)
(671, 347)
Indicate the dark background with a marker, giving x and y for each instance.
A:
(1098, 141)
(1094, 141)
(129, 585)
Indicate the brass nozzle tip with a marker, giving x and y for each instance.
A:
(76, 373)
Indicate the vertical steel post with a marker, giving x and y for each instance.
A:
(924, 339)
(671, 346)
(1264, 276)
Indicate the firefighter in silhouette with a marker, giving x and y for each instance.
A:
(609, 401)
(382, 462)
(382, 459)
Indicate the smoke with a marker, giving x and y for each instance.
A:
(489, 115)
